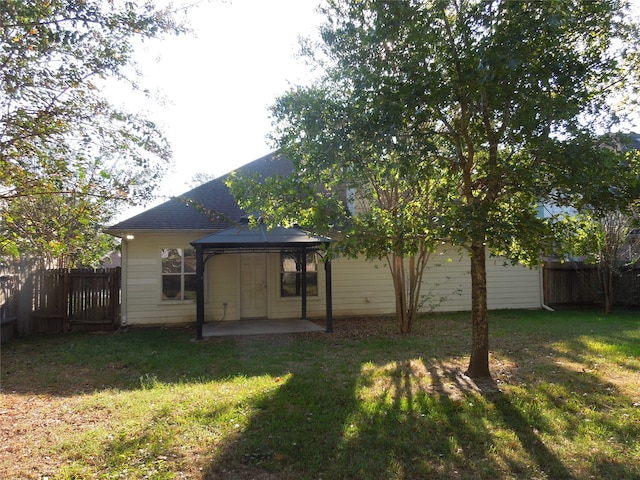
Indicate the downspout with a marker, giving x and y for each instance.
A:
(542, 304)
(124, 284)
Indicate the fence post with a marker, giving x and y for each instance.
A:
(114, 301)
(66, 294)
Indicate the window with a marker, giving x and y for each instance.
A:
(178, 274)
(291, 274)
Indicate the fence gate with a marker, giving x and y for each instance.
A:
(75, 300)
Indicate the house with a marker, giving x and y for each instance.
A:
(163, 247)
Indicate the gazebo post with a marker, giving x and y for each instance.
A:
(304, 283)
(199, 291)
(328, 295)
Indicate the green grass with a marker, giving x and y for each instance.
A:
(362, 403)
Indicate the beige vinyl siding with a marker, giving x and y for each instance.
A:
(365, 287)
(141, 277)
(360, 287)
(511, 286)
(222, 285)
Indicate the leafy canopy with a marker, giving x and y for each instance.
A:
(59, 134)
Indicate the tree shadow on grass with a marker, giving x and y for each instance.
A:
(402, 417)
(500, 412)
(397, 419)
(359, 410)
(557, 395)
(546, 462)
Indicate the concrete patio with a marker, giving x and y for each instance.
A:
(258, 327)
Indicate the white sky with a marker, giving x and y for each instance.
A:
(220, 81)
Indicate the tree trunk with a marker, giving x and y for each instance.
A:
(479, 361)
(605, 276)
(407, 295)
(609, 291)
(399, 286)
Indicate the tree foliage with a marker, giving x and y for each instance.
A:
(61, 231)
(59, 134)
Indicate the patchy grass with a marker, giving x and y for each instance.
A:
(364, 402)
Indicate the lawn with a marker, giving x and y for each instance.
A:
(361, 403)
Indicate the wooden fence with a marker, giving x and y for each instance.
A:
(8, 306)
(575, 284)
(73, 300)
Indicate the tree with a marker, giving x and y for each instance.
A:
(603, 230)
(616, 248)
(199, 178)
(57, 129)
(61, 231)
(501, 93)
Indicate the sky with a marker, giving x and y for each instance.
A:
(220, 80)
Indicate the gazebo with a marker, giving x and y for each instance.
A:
(245, 239)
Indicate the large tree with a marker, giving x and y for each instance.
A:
(506, 97)
(59, 133)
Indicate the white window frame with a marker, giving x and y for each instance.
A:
(182, 271)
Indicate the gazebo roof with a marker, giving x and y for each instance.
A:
(244, 237)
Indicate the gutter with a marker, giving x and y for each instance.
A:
(124, 284)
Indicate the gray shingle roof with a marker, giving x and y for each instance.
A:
(207, 207)
(259, 237)
(634, 141)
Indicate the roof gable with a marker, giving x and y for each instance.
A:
(207, 207)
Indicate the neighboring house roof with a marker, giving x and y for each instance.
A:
(625, 141)
(634, 141)
(207, 207)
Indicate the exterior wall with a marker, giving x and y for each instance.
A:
(359, 287)
(366, 288)
(141, 282)
(510, 286)
(222, 286)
